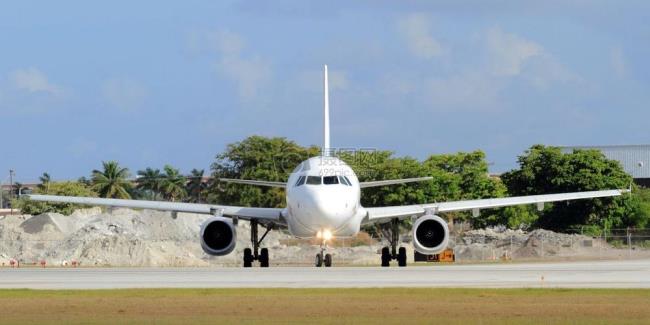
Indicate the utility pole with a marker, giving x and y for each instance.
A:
(11, 190)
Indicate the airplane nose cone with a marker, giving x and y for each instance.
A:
(328, 213)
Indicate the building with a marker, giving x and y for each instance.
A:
(635, 159)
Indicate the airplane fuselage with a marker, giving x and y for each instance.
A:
(323, 195)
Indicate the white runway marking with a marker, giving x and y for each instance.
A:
(601, 274)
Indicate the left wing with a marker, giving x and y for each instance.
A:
(246, 213)
(384, 213)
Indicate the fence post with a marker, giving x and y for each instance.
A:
(629, 241)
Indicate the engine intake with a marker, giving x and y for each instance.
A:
(218, 236)
(430, 234)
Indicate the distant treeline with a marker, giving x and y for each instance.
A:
(460, 176)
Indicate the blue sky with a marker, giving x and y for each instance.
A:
(149, 83)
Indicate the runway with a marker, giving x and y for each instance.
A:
(600, 274)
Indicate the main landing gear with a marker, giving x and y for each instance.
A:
(256, 254)
(392, 253)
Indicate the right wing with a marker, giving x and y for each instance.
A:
(253, 182)
(384, 213)
(246, 213)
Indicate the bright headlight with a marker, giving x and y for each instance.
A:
(327, 234)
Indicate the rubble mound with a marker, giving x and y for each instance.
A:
(124, 237)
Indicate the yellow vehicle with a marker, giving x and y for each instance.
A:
(445, 256)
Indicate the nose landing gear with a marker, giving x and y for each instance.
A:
(392, 253)
(323, 259)
(256, 254)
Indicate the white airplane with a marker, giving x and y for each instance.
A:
(323, 201)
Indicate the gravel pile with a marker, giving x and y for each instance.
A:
(124, 237)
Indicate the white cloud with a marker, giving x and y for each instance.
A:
(124, 94)
(34, 81)
(416, 29)
(249, 73)
(618, 62)
(510, 55)
(509, 52)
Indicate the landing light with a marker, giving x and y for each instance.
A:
(325, 234)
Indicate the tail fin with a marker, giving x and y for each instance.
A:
(326, 119)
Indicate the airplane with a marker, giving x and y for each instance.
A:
(323, 201)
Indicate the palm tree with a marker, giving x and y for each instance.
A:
(45, 182)
(150, 180)
(196, 186)
(112, 182)
(173, 184)
(18, 189)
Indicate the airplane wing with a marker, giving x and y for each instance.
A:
(246, 213)
(383, 214)
(393, 182)
(253, 182)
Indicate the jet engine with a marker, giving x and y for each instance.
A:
(430, 234)
(218, 236)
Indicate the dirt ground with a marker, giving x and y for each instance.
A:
(386, 306)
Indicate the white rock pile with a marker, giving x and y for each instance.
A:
(124, 237)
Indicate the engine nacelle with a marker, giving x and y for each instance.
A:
(218, 236)
(430, 234)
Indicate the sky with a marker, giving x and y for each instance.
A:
(149, 83)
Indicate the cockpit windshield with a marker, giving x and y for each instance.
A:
(330, 180)
(313, 180)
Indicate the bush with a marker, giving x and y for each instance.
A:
(28, 206)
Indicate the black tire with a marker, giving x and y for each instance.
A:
(385, 257)
(328, 260)
(319, 260)
(264, 257)
(401, 257)
(248, 257)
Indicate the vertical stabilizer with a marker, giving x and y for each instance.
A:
(326, 117)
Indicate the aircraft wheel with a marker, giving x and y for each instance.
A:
(248, 257)
(401, 257)
(264, 257)
(328, 260)
(385, 257)
(319, 260)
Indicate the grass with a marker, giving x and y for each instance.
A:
(384, 306)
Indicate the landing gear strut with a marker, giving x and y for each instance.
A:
(256, 254)
(392, 253)
(322, 258)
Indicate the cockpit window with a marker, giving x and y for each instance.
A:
(301, 181)
(347, 180)
(344, 181)
(330, 180)
(313, 180)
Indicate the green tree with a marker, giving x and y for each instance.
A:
(18, 189)
(56, 188)
(45, 182)
(112, 181)
(196, 186)
(546, 170)
(258, 158)
(173, 184)
(149, 183)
